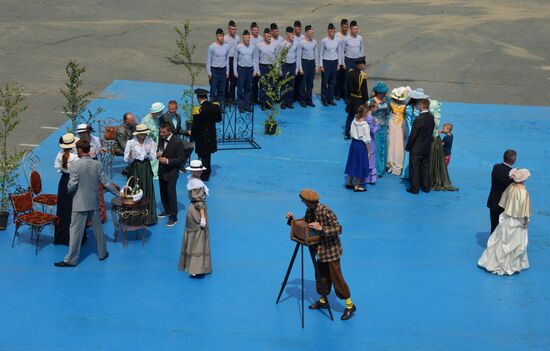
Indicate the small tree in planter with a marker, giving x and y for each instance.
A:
(275, 87)
(184, 56)
(11, 105)
(75, 107)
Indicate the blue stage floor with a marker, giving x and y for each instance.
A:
(410, 260)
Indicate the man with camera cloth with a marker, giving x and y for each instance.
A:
(323, 221)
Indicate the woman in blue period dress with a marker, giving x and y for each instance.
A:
(382, 115)
(506, 251)
(374, 128)
(357, 165)
(411, 113)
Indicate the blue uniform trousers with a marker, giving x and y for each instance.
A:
(217, 84)
(262, 98)
(328, 80)
(244, 86)
(289, 69)
(231, 82)
(306, 87)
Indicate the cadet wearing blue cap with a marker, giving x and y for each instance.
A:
(308, 64)
(232, 40)
(275, 37)
(255, 39)
(382, 115)
(289, 68)
(267, 51)
(330, 60)
(341, 74)
(298, 37)
(217, 67)
(353, 48)
(246, 58)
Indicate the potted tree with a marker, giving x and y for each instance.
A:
(184, 56)
(275, 87)
(11, 105)
(76, 101)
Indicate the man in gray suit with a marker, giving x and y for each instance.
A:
(85, 176)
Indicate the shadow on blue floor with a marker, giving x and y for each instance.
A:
(410, 260)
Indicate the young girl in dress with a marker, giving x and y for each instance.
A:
(195, 248)
(374, 125)
(357, 165)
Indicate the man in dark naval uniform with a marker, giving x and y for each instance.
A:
(500, 179)
(203, 130)
(359, 92)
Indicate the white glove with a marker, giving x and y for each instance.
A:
(203, 222)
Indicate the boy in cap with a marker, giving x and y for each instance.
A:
(267, 51)
(275, 37)
(353, 48)
(246, 58)
(308, 64)
(255, 39)
(232, 40)
(289, 68)
(330, 60)
(298, 37)
(217, 67)
(323, 221)
(341, 74)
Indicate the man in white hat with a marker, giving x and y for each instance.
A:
(85, 133)
(152, 120)
(85, 176)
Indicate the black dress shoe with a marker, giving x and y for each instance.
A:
(290, 106)
(332, 103)
(349, 186)
(64, 264)
(348, 313)
(163, 214)
(425, 190)
(318, 305)
(337, 97)
(303, 104)
(105, 257)
(412, 191)
(283, 106)
(325, 103)
(310, 104)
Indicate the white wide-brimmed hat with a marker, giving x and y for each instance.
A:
(195, 165)
(157, 107)
(84, 128)
(400, 94)
(141, 129)
(68, 141)
(519, 175)
(418, 93)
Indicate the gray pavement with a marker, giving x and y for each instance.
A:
(494, 52)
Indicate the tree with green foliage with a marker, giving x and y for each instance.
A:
(184, 55)
(76, 101)
(275, 87)
(11, 105)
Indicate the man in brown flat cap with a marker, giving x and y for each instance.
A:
(323, 221)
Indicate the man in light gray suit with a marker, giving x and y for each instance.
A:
(85, 176)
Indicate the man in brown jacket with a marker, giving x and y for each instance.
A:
(323, 221)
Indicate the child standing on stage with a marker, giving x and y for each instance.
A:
(447, 142)
(357, 165)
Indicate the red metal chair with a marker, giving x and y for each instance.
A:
(24, 214)
(45, 200)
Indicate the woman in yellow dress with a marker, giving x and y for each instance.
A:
(396, 136)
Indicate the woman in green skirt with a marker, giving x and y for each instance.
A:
(139, 153)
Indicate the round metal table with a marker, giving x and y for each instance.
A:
(129, 217)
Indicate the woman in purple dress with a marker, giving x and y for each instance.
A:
(374, 127)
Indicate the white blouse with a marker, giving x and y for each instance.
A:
(58, 163)
(136, 151)
(360, 131)
(95, 145)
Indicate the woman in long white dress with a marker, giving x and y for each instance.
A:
(506, 251)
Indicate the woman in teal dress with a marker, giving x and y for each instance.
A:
(382, 115)
(152, 121)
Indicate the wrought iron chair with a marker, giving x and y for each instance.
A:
(24, 214)
(107, 134)
(31, 163)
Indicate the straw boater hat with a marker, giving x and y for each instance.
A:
(418, 93)
(195, 165)
(142, 129)
(84, 128)
(309, 195)
(519, 175)
(68, 141)
(157, 107)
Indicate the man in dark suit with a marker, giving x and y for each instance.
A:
(419, 146)
(204, 130)
(170, 156)
(174, 118)
(500, 179)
